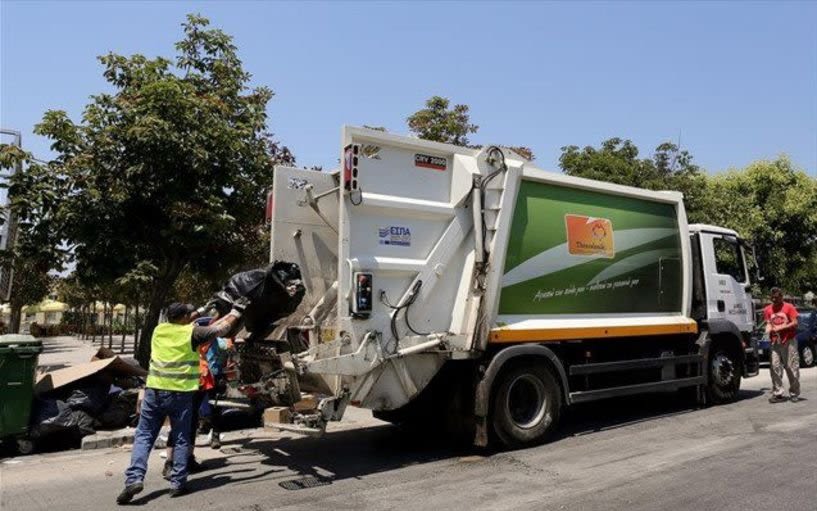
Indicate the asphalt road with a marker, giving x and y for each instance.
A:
(652, 453)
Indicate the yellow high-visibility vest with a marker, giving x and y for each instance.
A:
(173, 363)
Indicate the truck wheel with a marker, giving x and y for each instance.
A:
(724, 376)
(807, 355)
(526, 406)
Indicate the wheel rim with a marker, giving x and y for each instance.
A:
(526, 402)
(25, 446)
(808, 356)
(723, 370)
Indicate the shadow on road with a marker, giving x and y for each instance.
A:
(615, 413)
(300, 463)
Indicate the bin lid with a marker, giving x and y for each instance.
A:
(9, 340)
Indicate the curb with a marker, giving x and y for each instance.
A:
(104, 439)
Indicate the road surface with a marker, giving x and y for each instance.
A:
(653, 453)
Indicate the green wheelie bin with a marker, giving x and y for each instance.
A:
(18, 362)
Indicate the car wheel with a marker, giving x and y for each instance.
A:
(807, 355)
(526, 406)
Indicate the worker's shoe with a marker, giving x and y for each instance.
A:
(167, 470)
(193, 466)
(129, 492)
(178, 491)
(777, 399)
(795, 399)
(215, 440)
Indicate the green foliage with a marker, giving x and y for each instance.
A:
(32, 282)
(617, 161)
(773, 204)
(439, 123)
(169, 170)
(33, 199)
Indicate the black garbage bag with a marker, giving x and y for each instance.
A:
(49, 416)
(82, 422)
(120, 412)
(273, 293)
(91, 399)
(54, 416)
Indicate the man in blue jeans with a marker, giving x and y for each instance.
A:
(173, 378)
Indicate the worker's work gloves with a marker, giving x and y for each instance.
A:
(239, 306)
(207, 307)
(293, 287)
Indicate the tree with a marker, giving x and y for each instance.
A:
(438, 123)
(773, 204)
(617, 161)
(33, 196)
(32, 283)
(170, 169)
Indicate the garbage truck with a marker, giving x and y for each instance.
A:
(469, 286)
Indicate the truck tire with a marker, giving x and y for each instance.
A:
(724, 375)
(526, 406)
(807, 355)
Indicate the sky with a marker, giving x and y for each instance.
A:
(733, 81)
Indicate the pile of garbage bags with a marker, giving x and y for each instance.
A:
(83, 410)
(77, 401)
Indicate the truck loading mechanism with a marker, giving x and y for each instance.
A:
(471, 286)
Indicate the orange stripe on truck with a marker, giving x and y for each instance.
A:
(502, 335)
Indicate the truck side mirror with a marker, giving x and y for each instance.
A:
(746, 246)
(758, 276)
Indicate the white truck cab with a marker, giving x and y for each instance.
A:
(727, 284)
(722, 284)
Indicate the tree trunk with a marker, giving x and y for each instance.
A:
(110, 326)
(124, 330)
(83, 321)
(104, 324)
(136, 329)
(93, 324)
(151, 320)
(161, 288)
(14, 319)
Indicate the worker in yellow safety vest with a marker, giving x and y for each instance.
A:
(173, 379)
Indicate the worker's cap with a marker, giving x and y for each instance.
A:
(179, 310)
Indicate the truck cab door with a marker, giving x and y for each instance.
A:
(727, 280)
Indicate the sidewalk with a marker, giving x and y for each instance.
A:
(65, 351)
